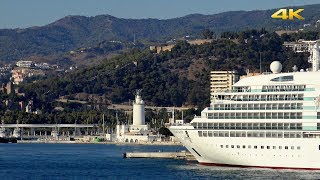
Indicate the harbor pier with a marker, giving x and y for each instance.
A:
(47, 131)
(163, 155)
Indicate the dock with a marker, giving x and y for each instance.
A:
(163, 155)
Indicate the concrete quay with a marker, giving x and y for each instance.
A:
(163, 155)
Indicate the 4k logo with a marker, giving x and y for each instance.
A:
(287, 14)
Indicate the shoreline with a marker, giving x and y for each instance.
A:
(115, 143)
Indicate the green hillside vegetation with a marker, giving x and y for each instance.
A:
(73, 32)
(176, 78)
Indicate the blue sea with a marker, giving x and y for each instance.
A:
(104, 161)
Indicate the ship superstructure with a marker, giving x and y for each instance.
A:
(271, 120)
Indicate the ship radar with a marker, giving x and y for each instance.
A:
(276, 67)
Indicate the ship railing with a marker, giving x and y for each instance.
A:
(257, 99)
(263, 90)
(231, 91)
(179, 124)
(267, 108)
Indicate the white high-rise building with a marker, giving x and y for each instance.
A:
(222, 81)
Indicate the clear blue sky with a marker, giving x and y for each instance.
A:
(27, 13)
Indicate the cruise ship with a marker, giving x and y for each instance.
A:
(266, 121)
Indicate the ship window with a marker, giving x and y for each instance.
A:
(227, 146)
(249, 146)
(283, 78)
(286, 147)
(215, 134)
(200, 133)
(226, 134)
(262, 147)
(205, 125)
(238, 146)
(268, 147)
(292, 147)
(216, 126)
(286, 135)
(280, 147)
(205, 133)
(298, 147)
(221, 134)
(243, 146)
(256, 147)
(298, 135)
(221, 146)
(274, 147)
(232, 146)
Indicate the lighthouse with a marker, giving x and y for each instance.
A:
(138, 131)
(138, 110)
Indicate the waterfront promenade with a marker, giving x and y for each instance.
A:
(156, 143)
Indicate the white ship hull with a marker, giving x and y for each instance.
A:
(301, 153)
(271, 120)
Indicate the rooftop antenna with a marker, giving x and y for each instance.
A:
(117, 118)
(134, 38)
(103, 124)
(182, 115)
(260, 64)
(173, 115)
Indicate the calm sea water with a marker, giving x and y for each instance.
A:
(101, 161)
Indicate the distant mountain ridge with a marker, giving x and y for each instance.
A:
(73, 32)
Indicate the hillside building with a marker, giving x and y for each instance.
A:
(313, 47)
(162, 48)
(301, 45)
(20, 74)
(25, 64)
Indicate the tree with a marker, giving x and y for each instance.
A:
(165, 131)
(207, 34)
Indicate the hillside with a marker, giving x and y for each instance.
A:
(73, 32)
(179, 77)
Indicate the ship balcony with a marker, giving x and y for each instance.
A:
(267, 108)
(265, 90)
